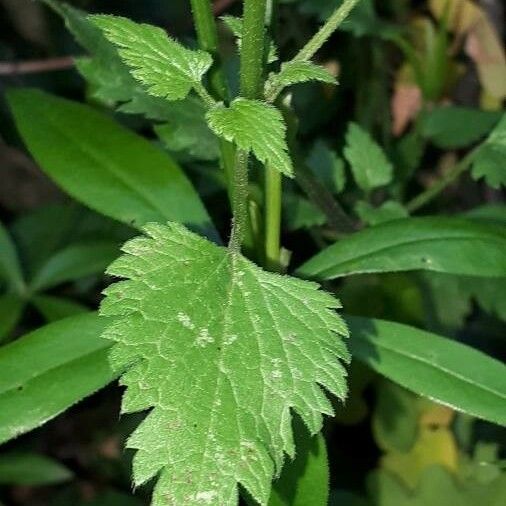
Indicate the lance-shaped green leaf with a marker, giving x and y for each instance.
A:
(254, 126)
(164, 66)
(47, 371)
(221, 352)
(369, 164)
(104, 165)
(294, 72)
(440, 244)
(446, 371)
(488, 161)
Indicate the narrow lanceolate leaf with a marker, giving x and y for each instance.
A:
(254, 126)
(45, 372)
(31, 470)
(446, 371)
(489, 162)
(11, 309)
(221, 352)
(369, 164)
(104, 165)
(74, 262)
(294, 72)
(450, 245)
(164, 66)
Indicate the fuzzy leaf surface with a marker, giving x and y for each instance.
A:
(164, 66)
(294, 72)
(221, 352)
(254, 126)
(369, 164)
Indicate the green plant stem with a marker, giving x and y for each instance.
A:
(273, 201)
(240, 200)
(251, 83)
(428, 195)
(253, 48)
(330, 26)
(207, 35)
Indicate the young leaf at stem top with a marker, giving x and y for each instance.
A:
(254, 126)
(168, 69)
(221, 352)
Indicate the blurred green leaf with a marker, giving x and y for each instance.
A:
(369, 164)
(31, 469)
(104, 165)
(450, 245)
(11, 309)
(327, 166)
(55, 308)
(74, 262)
(301, 213)
(488, 162)
(305, 480)
(45, 372)
(388, 211)
(454, 127)
(448, 372)
(10, 268)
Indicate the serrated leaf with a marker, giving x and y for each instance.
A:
(489, 161)
(235, 24)
(294, 72)
(221, 352)
(369, 164)
(164, 66)
(254, 126)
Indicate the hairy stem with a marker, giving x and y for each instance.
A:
(240, 200)
(331, 25)
(251, 83)
(252, 48)
(432, 192)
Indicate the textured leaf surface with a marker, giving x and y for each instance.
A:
(294, 72)
(446, 371)
(104, 165)
(254, 126)
(34, 368)
(450, 245)
(164, 66)
(221, 351)
(369, 164)
(489, 161)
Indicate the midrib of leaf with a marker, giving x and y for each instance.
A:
(441, 368)
(324, 270)
(122, 177)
